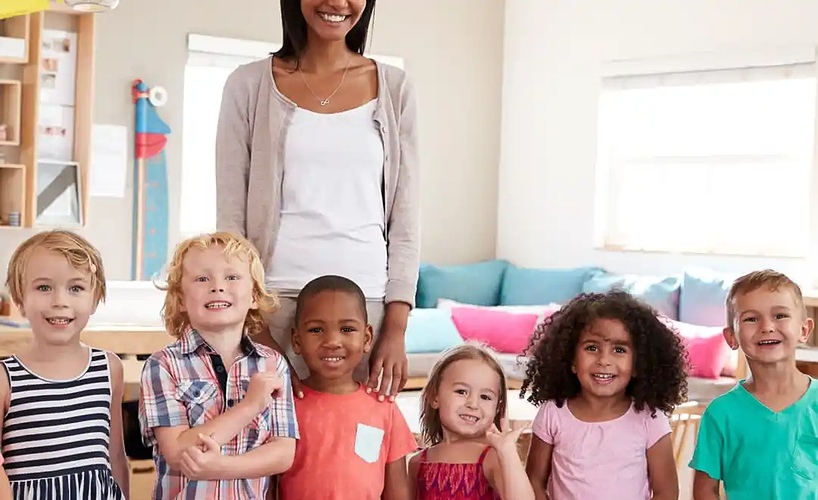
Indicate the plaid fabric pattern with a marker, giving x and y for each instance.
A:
(179, 387)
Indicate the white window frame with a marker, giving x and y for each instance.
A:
(770, 57)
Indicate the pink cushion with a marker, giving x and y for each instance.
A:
(503, 331)
(707, 351)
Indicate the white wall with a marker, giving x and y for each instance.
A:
(452, 50)
(553, 51)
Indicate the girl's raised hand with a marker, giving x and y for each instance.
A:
(505, 440)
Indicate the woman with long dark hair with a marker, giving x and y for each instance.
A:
(317, 165)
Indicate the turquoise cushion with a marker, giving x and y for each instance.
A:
(477, 284)
(431, 330)
(704, 292)
(659, 292)
(530, 287)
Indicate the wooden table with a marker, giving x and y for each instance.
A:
(807, 360)
(122, 339)
(128, 341)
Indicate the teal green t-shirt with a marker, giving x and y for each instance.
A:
(759, 454)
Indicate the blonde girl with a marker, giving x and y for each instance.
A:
(62, 400)
(463, 408)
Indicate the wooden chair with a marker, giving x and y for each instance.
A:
(684, 425)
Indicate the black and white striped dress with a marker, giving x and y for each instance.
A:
(56, 434)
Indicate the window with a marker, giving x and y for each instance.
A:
(716, 162)
(210, 62)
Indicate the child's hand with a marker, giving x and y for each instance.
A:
(202, 461)
(505, 440)
(263, 387)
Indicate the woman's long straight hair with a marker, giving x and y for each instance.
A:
(294, 27)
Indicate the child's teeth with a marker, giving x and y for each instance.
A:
(217, 305)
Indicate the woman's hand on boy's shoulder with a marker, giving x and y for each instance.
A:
(389, 362)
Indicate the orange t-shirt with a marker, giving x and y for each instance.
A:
(345, 443)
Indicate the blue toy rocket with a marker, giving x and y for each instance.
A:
(150, 239)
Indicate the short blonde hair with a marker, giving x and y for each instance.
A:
(431, 427)
(78, 251)
(769, 279)
(177, 322)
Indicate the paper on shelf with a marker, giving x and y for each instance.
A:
(12, 48)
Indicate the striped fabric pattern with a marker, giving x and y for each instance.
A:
(56, 434)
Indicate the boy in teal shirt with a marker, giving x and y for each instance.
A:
(761, 438)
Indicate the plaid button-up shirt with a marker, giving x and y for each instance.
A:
(180, 386)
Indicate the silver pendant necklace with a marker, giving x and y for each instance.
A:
(325, 101)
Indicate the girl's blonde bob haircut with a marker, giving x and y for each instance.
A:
(430, 426)
(78, 251)
(177, 322)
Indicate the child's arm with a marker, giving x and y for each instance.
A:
(414, 465)
(396, 481)
(507, 475)
(538, 466)
(664, 481)
(504, 469)
(706, 459)
(401, 443)
(5, 395)
(165, 416)
(273, 457)
(5, 486)
(205, 460)
(116, 445)
(705, 487)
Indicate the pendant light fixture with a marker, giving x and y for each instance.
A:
(92, 6)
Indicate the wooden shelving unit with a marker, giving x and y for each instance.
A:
(11, 93)
(23, 79)
(12, 192)
(14, 40)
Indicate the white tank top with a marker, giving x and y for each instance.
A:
(332, 212)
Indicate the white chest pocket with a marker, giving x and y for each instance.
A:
(368, 441)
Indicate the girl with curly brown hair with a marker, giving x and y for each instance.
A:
(606, 373)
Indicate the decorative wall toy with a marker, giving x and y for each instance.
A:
(150, 239)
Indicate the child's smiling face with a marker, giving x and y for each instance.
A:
(603, 361)
(768, 325)
(58, 299)
(332, 336)
(217, 289)
(467, 398)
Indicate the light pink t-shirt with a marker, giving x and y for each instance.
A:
(599, 460)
